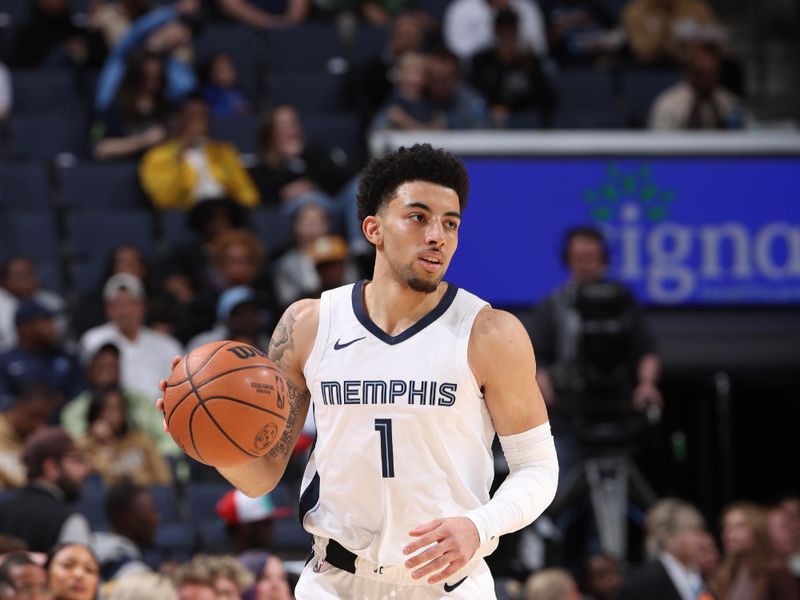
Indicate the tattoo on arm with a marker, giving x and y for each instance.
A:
(281, 341)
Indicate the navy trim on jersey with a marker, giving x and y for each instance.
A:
(309, 498)
(363, 318)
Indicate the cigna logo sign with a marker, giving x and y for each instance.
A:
(712, 258)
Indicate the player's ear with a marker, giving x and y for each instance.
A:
(371, 226)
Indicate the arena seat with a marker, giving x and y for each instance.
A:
(174, 541)
(308, 92)
(640, 88)
(167, 503)
(33, 234)
(203, 497)
(336, 131)
(588, 119)
(273, 226)
(241, 131)
(369, 43)
(45, 92)
(174, 229)
(240, 42)
(92, 503)
(23, 187)
(43, 137)
(309, 47)
(101, 187)
(584, 89)
(96, 234)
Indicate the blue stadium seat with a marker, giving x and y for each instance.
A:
(241, 131)
(175, 541)
(45, 92)
(86, 272)
(166, 500)
(640, 89)
(369, 43)
(213, 537)
(101, 187)
(524, 120)
(308, 92)
(24, 187)
(310, 47)
(50, 274)
(584, 89)
(202, 499)
(588, 119)
(174, 229)
(435, 8)
(45, 137)
(16, 10)
(289, 536)
(273, 226)
(336, 131)
(93, 236)
(92, 503)
(240, 42)
(33, 234)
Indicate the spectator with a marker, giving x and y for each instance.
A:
(72, 572)
(30, 411)
(469, 26)
(39, 513)
(6, 95)
(38, 357)
(194, 581)
(102, 372)
(113, 19)
(189, 167)
(143, 586)
(137, 119)
(654, 27)
(288, 12)
(290, 170)
(49, 38)
(602, 578)
(221, 87)
(332, 263)
(132, 514)
(407, 106)
(117, 450)
(272, 582)
(146, 354)
(510, 76)
(699, 101)
(461, 106)
(784, 535)
(581, 32)
(551, 584)
(750, 568)
(26, 577)
(238, 318)
(19, 280)
(230, 578)
(673, 533)
(791, 506)
(707, 556)
(249, 521)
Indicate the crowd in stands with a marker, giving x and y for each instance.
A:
(244, 166)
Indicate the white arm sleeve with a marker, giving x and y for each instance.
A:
(529, 488)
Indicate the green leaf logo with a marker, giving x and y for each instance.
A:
(625, 187)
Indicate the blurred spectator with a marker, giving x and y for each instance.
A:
(113, 19)
(791, 506)
(118, 450)
(272, 582)
(72, 572)
(143, 586)
(38, 357)
(551, 584)
(673, 530)
(189, 167)
(134, 519)
(290, 170)
(39, 513)
(146, 354)
(750, 568)
(19, 280)
(510, 76)
(9, 543)
(707, 556)
(220, 79)
(230, 578)
(125, 258)
(462, 107)
(581, 32)
(699, 101)
(784, 535)
(281, 13)
(249, 522)
(408, 106)
(137, 119)
(372, 81)
(601, 577)
(49, 38)
(102, 372)
(166, 31)
(194, 581)
(654, 27)
(238, 318)
(6, 94)
(27, 577)
(469, 26)
(30, 411)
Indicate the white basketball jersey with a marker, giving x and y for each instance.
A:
(403, 433)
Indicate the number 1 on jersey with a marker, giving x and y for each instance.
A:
(384, 428)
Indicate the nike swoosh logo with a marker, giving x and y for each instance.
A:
(338, 346)
(450, 588)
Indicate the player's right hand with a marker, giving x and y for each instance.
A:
(162, 385)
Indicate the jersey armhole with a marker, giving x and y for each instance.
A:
(320, 341)
(466, 333)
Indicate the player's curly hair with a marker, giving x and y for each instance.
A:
(421, 162)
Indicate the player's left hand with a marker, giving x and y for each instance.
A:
(455, 541)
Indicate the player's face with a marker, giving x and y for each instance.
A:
(418, 233)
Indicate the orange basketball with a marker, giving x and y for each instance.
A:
(226, 403)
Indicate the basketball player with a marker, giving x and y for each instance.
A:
(409, 379)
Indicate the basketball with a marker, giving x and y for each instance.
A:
(226, 404)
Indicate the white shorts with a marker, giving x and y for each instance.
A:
(322, 581)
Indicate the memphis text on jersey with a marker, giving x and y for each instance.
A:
(394, 391)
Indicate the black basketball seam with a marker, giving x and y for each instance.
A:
(200, 368)
(191, 431)
(177, 404)
(251, 405)
(225, 433)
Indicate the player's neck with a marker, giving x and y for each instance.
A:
(394, 307)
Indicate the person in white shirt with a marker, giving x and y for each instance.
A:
(145, 354)
(469, 26)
